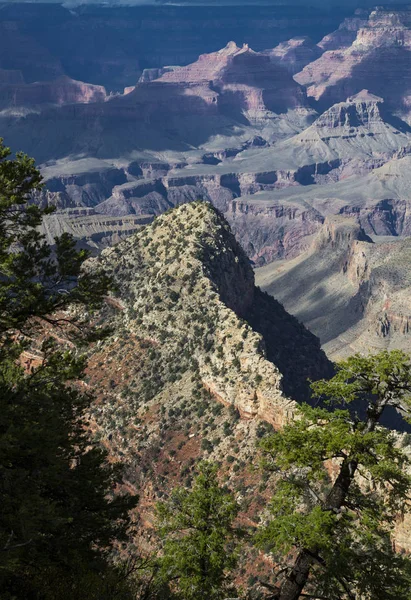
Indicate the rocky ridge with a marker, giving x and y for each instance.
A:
(17, 94)
(200, 363)
(186, 268)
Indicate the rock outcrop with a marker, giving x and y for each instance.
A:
(345, 35)
(199, 364)
(243, 79)
(189, 269)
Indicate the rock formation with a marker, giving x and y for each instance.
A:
(192, 334)
(244, 80)
(199, 363)
(345, 35)
(258, 185)
(190, 269)
(378, 59)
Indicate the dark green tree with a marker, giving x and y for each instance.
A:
(332, 532)
(59, 516)
(198, 535)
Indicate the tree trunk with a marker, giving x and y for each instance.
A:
(297, 579)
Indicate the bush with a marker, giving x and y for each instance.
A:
(206, 445)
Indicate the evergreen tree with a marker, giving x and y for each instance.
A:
(197, 529)
(334, 531)
(59, 515)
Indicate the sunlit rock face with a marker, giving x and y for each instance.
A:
(244, 80)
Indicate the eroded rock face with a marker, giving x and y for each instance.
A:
(378, 59)
(245, 80)
(345, 35)
(350, 291)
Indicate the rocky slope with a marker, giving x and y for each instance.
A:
(186, 267)
(200, 362)
(353, 293)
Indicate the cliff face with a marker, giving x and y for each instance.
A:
(295, 54)
(233, 80)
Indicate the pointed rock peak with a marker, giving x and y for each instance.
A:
(365, 96)
(230, 49)
(246, 48)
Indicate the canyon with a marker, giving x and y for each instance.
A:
(201, 364)
(243, 177)
(290, 126)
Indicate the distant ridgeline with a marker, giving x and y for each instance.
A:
(136, 37)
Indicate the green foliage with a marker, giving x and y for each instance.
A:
(58, 514)
(341, 525)
(36, 281)
(198, 537)
(381, 378)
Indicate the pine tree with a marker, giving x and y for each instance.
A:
(332, 532)
(196, 527)
(59, 515)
